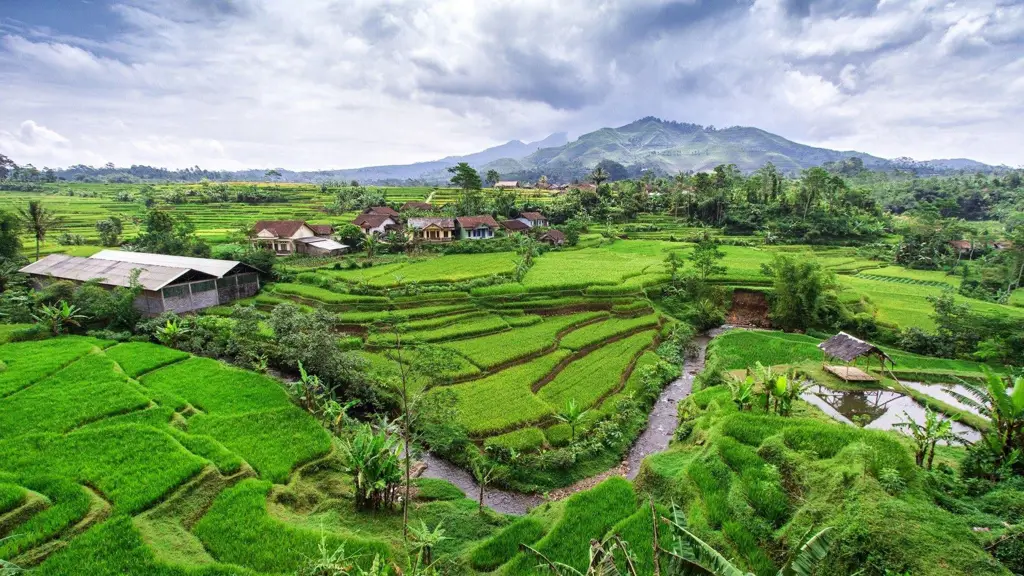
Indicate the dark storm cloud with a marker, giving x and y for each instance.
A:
(516, 74)
(643, 20)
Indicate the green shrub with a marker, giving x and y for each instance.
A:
(558, 435)
(504, 545)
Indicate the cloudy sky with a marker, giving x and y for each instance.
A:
(314, 84)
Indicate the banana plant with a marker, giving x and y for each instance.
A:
(58, 316)
(742, 392)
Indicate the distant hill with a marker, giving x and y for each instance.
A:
(671, 147)
(648, 144)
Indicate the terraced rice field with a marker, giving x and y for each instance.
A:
(138, 459)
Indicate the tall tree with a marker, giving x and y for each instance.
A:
(7, 166)
(705, 258)
(599, 175)
(10, 228)
(39, 221)
(465, 176)
(492, 177)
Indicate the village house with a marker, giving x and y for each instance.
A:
(476, 227)
(169, 283)
(514, 227)
(378, 224)
(507, 184)
(381, 211)
(431, 230)
(286, 237)
(553, 237)
(533, 219)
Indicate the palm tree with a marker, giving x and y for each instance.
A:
(571, 415)
(994, 399)
(599, 175)
(927, 435)
(39, 221)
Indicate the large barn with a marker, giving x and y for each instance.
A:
(169, 283)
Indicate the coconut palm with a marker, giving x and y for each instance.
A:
(59, 315)
(571, 414)
(927, 435)
(1002, 405)
(599, 175)
(39, 221)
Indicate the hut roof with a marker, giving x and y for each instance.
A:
(846, 348)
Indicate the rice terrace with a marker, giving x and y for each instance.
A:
(652, 349)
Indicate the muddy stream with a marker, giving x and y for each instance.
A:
(661, 425)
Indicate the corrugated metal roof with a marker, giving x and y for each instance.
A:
(209, 266)
(323, 243)
(421, 223)
(108, 272)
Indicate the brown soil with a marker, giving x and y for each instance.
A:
(749, 308)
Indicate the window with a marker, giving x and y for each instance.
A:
(179, 291)
(204, 286)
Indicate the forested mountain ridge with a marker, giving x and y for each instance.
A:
(670, 147)
(650, 144)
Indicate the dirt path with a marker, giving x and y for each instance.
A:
(661, 426)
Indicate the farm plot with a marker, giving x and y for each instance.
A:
(495, 350)
(474, 326)
(589, 266)
(595, 375)
(907, 304)
(602, 331)
(504, 400)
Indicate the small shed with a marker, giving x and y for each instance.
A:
(850, 349)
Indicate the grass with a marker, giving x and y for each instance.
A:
(504, 545)
(238, 530)
(504, 399)
(595, 375)
(490, 351)
(137, 358)
(87, 390)
(115, 548)
(132, 466)
(322, 295)
(485, 324)
(68, 503)
(597, 333)
(273, 441)
(523, 440)
(402, 315)
(613, 264)
(216, 388)
(588, 515)
(11, 497)
(28, 362)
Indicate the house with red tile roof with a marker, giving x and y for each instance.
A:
(286, 237)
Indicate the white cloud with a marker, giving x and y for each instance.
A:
(311, 84)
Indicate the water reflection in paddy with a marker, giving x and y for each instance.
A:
(881, 409)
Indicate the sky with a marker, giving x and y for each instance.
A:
(325, 84)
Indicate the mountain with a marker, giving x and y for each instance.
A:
(671, 147)
(432, 171)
